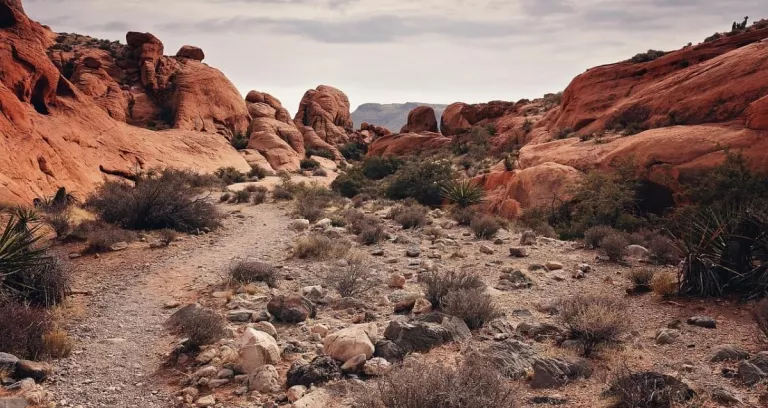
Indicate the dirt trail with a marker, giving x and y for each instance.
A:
(119, 335)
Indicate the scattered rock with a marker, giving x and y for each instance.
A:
(557, 372)
(295, 393)
(426, 332)
(352, 341)
(512, 279)
(264, 379)
(389, 351)
(13, 402)
(553, 266)
(413, 252)
(528, 238)
(354, 364)
(377, 367)
(266, 327)
(549, 400)
(119, 246)
(729, 352)
(207, 401)
(239, 316)
(171, 304)
(518, 252)
(377, 252)
(255, 349)
(396, 280)
(486, 249)
(637, 252)
(313, 293)
(299, 225)
(35, 370)
(421, 306)
(291, 309)
(316, 399)
(538, 330)
(703, 321)
(514, 359)
(724, 396)
(320, 329)
(667, 336)
(8, 363)
(750, 374)
(584, 268)
(321, 370)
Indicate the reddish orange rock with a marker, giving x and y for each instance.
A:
(405, 144)
(421, 119)
(191, 52)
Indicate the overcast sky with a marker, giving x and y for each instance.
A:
(436, 51)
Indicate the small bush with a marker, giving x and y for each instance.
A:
(57, 344)
(433, 232)
(353, 151)
(60, 222)
(424, 385)
(356, 220)
(245, 272)
(102, 240)
(648, 56)
(350, 183)
(312, 202)
(646, 389)
(662, 250)
(354, 279)
(665, 284)
(230, 175)
(280, 193)
(377, 167)
(318, 246)
(594, 321)
(46, 284)
(594, 235)
(438, 286)
(240, 196)
(760, 314)
(259, 195)
(371, 234)
(409, 215)
(463, 216)
(420, 180)
(320, 172)
(200, 325)
(641, 278)
(22, 329)
(485, 226)
(240, 142)
(474, 306)
(257, 173)
(225, 197)
(464, 193)
(614, 246)
(320, 152)
(309, 164)
(157, 200)
(167, 236)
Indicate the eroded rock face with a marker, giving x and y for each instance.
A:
(326, 110)
(421, 119)
(461, 117)
(191, 52)
(426, 332)
(66, 104)
(404, 144)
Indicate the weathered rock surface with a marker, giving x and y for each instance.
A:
(321, 370)
(256, 349)
(421, 119)
(291, 309)
(351, 342)
(426, 332)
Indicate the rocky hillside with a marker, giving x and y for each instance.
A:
(392, 116)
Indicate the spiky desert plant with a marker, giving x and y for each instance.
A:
(464, 193)
(18, 248)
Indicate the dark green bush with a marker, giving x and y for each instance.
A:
(377, 168)
(231, 175)
(351, 183)
(309, 164)
(420, 180)
(648, 56)
(353, 151)
(240, 141)
(320, 152)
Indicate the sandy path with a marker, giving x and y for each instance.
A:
(119, 336)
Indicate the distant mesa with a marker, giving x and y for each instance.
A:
(390, 116)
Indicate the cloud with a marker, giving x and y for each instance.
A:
(538, 8)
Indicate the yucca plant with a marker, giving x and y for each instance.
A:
(464, 193)
(18, 249)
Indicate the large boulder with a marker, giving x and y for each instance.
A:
(352, 341)
(421, 119)
(426, 332)
(326, 110)
(256, 349)
(406, 144)
(460, 117)
(291, 309)
(191, 52)
(557, 372)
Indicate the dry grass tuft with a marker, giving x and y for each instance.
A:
(354, 279)
(57, 344)
(319, 246)
(245, 272)
(594, 321)
(665, 284)
(485, 226)
(615, 246)
(474, 306)
(438, 285)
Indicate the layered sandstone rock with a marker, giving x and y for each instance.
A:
(56, 133)
(421, 119)
(461, 117)
(326, 111)
(406, 144)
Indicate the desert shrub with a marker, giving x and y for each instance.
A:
(648, 56)
(320, 172)
(245, 272)
(713, 37)
(156, 200)
(59, 202)
(240, 196)
(22, 328)
(420, 180)
(564, 133)
(594, 321)
(664, 284)
(371, 234)
(360, 199)
(280, 193)
(200, 325)
(230, 175)
(410, 215)
(318, 246)
(464, 193)
(355, 220)
(424, 385)
(536, 219)
(614, 246)
(311, 203)
(433, 232)
(57, 344)
(378, 167)
(353, 279)
(662, 250)
(350, 183)
(760, 314)
(225, 197)
(60, 222)
(102, 240)
(728, 186)
(240, 141)
(167, 236)
(595, 235)
(641, 278)
(353, 151)
(474, 306)
(320, 152)
(309, 164)
(45, 284)
(438, 285)
(257, 172)
(259, 195)
(485, 226)
(648, 389)
(463, 216)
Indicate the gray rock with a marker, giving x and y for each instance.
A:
(637, 252)
(428, 331)
(528, 238)
(377, 252)
(514, 359)
(119, 246)
(724, 396)
(703, 321)
(8, 362)
(240, 315)
(389, 351)
(557, 372)
(518, 252)
(729, 352)
(538, 329)
(667, 336)
(750, 374)
(264, 379)
(413, 252)
(354, 364)
(37, 371)
(512, 279)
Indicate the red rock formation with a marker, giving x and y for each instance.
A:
(405, 144)
(421, 119)
(460, 117)
(191, 52)
(56, 134)
(326, 111)
(369, 133)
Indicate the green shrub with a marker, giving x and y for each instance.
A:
(485, 226)
(420, 180)
(240, 141)
(648, 56)
(257, 173)
(351, 183)
(615, 246)
(564, 133)
(320, 152)
(438, 285)
(353, 151)
(309, 164)
(464, 193)
(231, 175)
(377, 167)
(154, 201)
(319, 172)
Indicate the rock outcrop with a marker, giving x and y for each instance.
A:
(421, 119)
(326, 111)
(404, 144)
(67, 108)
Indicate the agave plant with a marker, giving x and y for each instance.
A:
(464, 193)
(18, 249)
